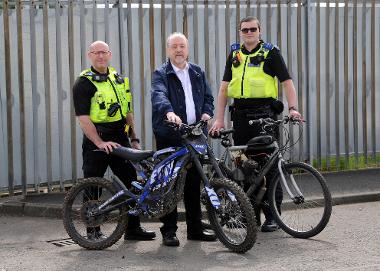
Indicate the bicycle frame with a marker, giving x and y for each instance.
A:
(195, 146)
(275, 157)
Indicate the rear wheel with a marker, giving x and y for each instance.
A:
(234, 220)
(87, 230)
(308, 213)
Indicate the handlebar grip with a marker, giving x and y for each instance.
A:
(227, 132)
(222, 133)
(252, 122)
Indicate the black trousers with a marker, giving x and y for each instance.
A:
(191, 199)
(95, 164)
(244, 132)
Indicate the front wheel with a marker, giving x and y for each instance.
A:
(87, 229)
(308, 212)
(234, 220)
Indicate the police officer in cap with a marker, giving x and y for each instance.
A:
(103, 106)
(251, 78)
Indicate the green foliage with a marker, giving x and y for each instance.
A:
(347, 163)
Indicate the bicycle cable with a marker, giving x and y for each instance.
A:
(288, 147)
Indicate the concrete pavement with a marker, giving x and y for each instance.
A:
(346, 187)
(350, 242)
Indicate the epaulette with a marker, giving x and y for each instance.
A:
(268, 46)
(235, 47)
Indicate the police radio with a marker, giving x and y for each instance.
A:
(236, 59)
(99, 77)
(119, 79)
(256, 60)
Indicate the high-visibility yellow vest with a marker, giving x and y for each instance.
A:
(111, 91)
(249, 80)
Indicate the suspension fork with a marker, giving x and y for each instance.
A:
(293, 183)
(209, 189)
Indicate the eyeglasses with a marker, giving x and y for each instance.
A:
(246, 30)
(98, 53)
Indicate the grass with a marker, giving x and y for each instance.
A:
(352, 164)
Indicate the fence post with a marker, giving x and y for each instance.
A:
(8, 87)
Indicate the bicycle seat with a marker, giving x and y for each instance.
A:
(261, 144)
(132, 154)
(260, 140)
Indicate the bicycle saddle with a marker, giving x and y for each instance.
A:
(260, 141)
(132, 154)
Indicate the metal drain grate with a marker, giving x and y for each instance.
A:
(62, 242)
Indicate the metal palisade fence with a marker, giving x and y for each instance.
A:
(330, 47)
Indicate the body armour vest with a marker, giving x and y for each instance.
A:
(248, 77)
(112, 100)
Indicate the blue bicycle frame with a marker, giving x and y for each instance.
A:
(165, 172)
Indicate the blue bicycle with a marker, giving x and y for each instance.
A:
(98, 203)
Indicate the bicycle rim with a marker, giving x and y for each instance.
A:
(92, 232)
(307, 215)
(233, 221)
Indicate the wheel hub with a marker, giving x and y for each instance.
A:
(87, 214)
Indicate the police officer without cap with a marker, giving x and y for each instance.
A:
(103, 106)
(250, 78)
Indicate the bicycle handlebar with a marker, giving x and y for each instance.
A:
(186, 129)
(271, 122)
(222, 133)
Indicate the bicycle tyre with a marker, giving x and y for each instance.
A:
(223, 227)
(316, 205)
(70, 214)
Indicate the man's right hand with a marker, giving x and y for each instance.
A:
(218, 124)
(107, 146)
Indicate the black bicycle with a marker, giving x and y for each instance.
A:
(306, 205)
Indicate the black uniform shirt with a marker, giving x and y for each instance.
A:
(83, 91)
(274, 64)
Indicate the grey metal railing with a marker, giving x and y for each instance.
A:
(331, 48)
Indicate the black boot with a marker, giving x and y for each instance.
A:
(269, 224)
(95, 234)
(170, 239)
(139, 234)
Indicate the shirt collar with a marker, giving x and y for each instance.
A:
(95, 71)
(176, 69)
(254, 50)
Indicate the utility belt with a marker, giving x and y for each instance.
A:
(246, 109)
(249, 114)
(109, 130)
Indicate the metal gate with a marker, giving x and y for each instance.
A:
(331, 48)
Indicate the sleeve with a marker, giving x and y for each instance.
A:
(227, 77)
(277, 65)
(208, 104)
(83, 91)
(160, 95)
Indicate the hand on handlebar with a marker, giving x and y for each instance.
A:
(222, 133)
(216, 127)
(172, 117)
(295, 115)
